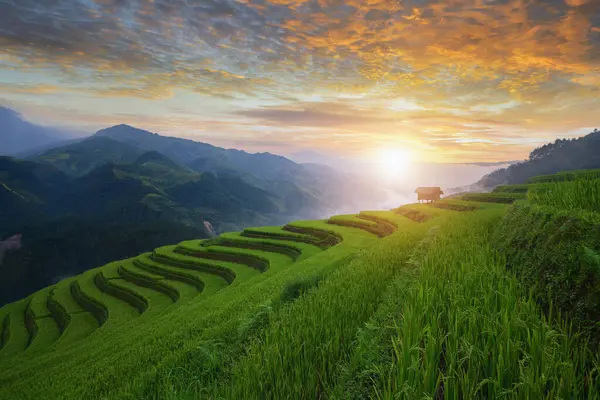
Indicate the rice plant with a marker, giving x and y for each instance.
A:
(567, 176)
(500, 197)
(580, 194)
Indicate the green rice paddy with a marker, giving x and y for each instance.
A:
(411, 303)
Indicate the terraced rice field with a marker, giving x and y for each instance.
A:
(80, 311)
(346, 308)
(494, 197)
(565, 176)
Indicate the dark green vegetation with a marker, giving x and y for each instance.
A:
(562, 155)
(458, 299)
(116, 191)
(522, 188)
(555, 252)
(494, 197)
(567, 176)
(51, 251)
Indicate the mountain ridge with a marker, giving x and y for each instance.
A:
(18, 135)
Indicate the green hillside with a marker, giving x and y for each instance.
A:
(560, 159)
(80, 158)
(471, 298)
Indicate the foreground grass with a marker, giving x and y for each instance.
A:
(429, 311)
(299, 354)
(459, 326)
(579, 194)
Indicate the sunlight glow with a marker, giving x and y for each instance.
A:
(394, 163)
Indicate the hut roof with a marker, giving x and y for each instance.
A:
(429, 190)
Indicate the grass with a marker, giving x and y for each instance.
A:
(567, 176)
(523, 188)
(47, 330)
(580, 194)
(17, 337)
(118, 310)
(413, 214)
(454, 205)
(465, 330)
(145, 279)
(415, 302)
(80, 322)
(242, 263)
(218, 322)
(168, 257)
(300, 351)
(155, 300)
(500, 197)
(371, 223)
(294, 250)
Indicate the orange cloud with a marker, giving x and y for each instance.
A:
(28, 89)
(464, 76)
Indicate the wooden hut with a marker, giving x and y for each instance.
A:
(429, 194)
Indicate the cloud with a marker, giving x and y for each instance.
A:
(28, 89)
(460, 75)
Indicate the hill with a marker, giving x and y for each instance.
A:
(411, 302)
(51, 209)
(18, 136)
(79, 158)
(562, 155)
(301, 191)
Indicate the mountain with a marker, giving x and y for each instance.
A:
(561, 155)
(296, 188)
(205, 157)
(286, 189)
(38, 150)
(26, 191)
(18, 135)
(123, 209)
(79, 158)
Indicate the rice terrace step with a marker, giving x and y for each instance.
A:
(217, 318)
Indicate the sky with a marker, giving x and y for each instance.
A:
(448, 81)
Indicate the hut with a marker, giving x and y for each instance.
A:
(429, 194)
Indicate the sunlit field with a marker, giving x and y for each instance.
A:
(412, 302)
(299, 200)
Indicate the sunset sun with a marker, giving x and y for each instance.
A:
(393, 162)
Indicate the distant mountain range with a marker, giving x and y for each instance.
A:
(80, 203)
(18, 136)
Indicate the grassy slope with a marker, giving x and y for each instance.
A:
(151, 340)
(428, 311)
(455, 324)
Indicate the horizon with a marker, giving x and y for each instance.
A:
(287, 76)
(397, 179)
